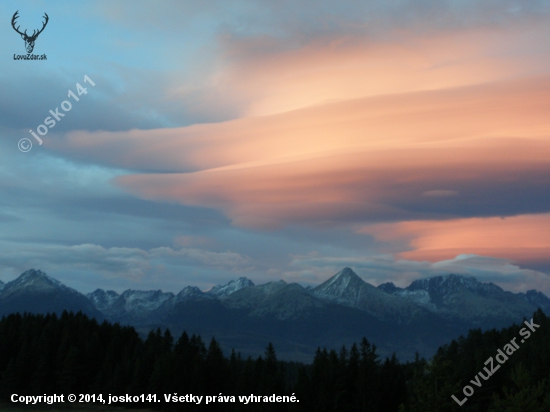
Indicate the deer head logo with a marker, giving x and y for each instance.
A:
(29, 40)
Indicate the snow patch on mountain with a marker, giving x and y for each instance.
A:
(538, 299)
(272, 287)
(144, 301)
(450, 284)
(345, 287)
(35, 280)
(223, 291)
(190, 292)
(103, 300)
(420, 297)
(342, 279)
(460, 297)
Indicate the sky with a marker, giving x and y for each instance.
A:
(205, 141)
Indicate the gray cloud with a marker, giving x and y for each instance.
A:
(122, 263)
(309, 18)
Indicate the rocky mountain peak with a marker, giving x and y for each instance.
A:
(35, 292)
(388, 287)
(348, 289)
(190, 292)
(337, 286)
(33, 280)
(346, 273)
(223, 291)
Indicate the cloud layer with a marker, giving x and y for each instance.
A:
(281, 139)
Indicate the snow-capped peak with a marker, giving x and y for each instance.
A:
(343, 278)
(336, 286)
(35, 279)
(223, 291)
(190, 292)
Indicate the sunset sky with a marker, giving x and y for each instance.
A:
(277, 140)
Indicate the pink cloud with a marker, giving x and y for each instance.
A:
(350, 132)
(524, 238)
(276, 78)
(362, 160)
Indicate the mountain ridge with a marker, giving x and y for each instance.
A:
(340, 310)
(459, 297)
(347, 288)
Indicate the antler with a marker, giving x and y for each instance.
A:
(15, 16)
(43, 27)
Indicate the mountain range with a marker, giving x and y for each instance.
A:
(297, 320)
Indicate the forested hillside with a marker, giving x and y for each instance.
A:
(74, 354)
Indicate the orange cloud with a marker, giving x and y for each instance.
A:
(350, 67)
(471, 117)
(351, 132)
(423, 155)
(524, 238)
